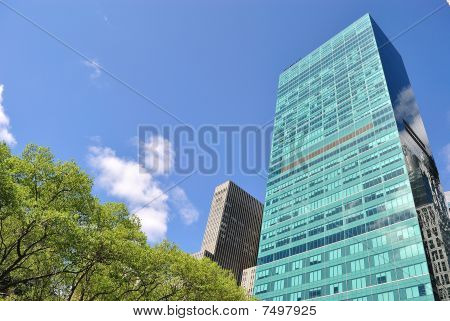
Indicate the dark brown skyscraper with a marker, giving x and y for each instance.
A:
(232, 233)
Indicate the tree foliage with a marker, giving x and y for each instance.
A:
(58, 242)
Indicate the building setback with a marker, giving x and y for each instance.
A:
(354, 208)
(233, 229)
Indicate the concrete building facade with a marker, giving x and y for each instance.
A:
(248, 280)
(232, 232)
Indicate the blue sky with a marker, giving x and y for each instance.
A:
(207, 62)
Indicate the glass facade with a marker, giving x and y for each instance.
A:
(340, 219)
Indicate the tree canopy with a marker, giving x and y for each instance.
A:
(59, 242)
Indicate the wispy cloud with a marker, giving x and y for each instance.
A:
(142, 190)
(407, 110)
(5, 129)
(105, 18)
(446, 153)
(95, 68)
(159, 155)
(447, 194)
(187, 211)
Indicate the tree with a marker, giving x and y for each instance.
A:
(58, 242)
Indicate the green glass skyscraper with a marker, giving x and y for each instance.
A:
(354, 208)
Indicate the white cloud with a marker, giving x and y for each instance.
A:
(406, 109)
(5, 133)
(188, 212)
(95, 67)
(159, 155)
(141, 189)
(125, 180)
(446, 154)
(97, 140)
(447, 196)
